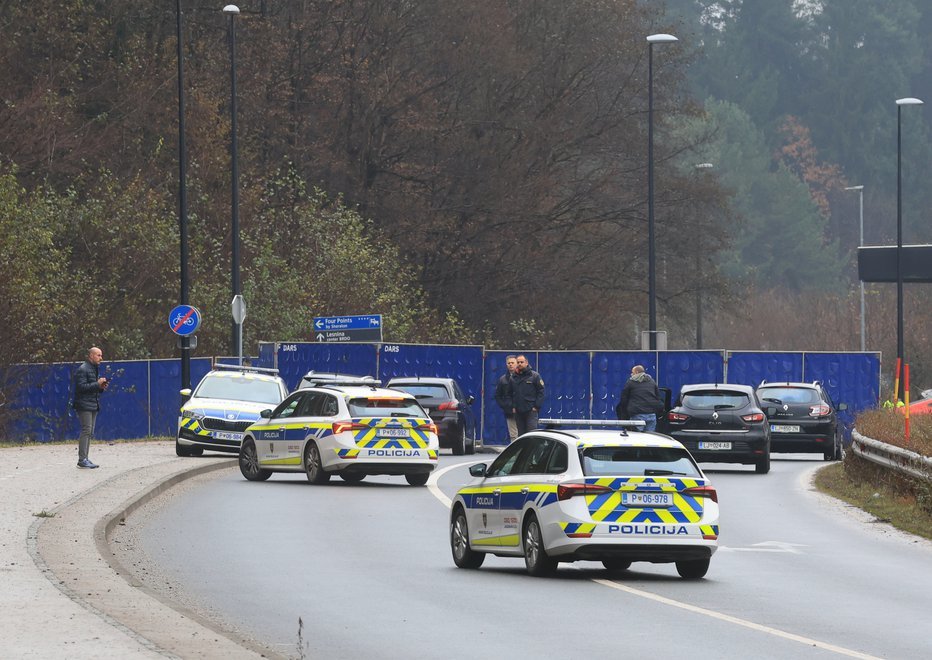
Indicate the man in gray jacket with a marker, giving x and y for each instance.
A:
(640, 399)
(88, 384)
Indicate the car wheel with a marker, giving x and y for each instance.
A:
(353, 477)
(471, 447)
(312, 465)
(180, 449)
(693, 569)
(418, 479)
(249, 462)
(616, 564)
(538, 562)
(463, 555)
(763, 465)
(459, 445)
(835, 453)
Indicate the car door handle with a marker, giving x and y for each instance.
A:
(497, 491)
(524, 491)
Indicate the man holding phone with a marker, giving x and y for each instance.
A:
(88, 384)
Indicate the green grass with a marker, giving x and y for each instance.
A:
(44, 514)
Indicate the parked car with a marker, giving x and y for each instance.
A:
(611, 495)
(449, 408)
(721, 423)
(227, 400)
(803, 418)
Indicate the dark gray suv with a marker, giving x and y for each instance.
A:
(802, 418)
(449, 408)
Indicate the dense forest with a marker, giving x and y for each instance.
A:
(474, 173)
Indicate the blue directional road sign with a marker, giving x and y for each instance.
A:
(184, 320)
(366, 327)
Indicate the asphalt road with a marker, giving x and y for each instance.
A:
(366, 568)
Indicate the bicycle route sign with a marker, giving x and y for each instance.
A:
(184, 320)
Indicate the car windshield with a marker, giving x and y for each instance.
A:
(239, 388)
(640, 461)
(422, 391)
(384, 407)
(715, 400)
(788, 395)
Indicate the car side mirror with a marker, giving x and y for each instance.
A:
(477, 470)
(842, 406)
(267, 413)
(470, 399)
(185, 392)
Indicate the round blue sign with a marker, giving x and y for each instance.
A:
(184, 320)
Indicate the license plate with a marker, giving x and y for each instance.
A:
(715, 445)
(784, 428)
(394, 433)
(227, 435)
(647, 499)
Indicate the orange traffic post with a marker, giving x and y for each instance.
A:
(906, 396)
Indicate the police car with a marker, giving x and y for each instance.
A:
(350, 430)
(224, 403)
(615, 495)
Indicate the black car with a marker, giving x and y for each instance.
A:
(721, 424)
(803, 418)
(449, 408)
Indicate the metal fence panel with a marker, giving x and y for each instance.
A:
(567, 388)
(678, 368)
(610, 372)
(164, 391)
(297, 358)
(852, 378)
(750, 368)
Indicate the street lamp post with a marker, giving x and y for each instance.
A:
(651, 264)
(232, 11)
(860, 190)
(900, 349)
(699, 166)
(182, 200)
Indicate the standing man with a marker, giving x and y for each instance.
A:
(88, 384)
(504, 397)
(640, 399)
(527, 388)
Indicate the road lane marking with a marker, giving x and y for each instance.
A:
(435, 477)
(735, 620)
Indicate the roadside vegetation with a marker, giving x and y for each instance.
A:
(904, 503)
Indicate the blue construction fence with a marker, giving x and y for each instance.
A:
(144, 397)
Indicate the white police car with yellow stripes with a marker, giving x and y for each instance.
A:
(224, 403)
(348, 430)
(612, 495)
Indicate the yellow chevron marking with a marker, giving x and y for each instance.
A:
(292, 460)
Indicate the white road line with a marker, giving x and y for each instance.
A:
(739, 622)
(435, 477)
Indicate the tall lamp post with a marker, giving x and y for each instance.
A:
(860, 190)
(232, 11)
(699, 166)
(900, 351)
(182, 201)
(651, 261)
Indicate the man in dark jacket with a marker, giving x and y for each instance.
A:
(640, 399)
(88, 384)
(504, 398)
(527, 388)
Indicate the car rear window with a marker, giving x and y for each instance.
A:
(239, 388)
(384, 407)
(715, 400)
(422, 391)
(788, 395)
(640, 461)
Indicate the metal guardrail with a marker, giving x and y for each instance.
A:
(892, 457)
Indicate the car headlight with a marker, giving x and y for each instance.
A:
(192, 414)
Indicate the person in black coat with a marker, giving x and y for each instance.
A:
(88, 384)
(640, 399)
(504, 397)
(527, 388)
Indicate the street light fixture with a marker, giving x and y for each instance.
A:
(651, 265)
(699, 166)
(860, 190)
(900, 350)
(232, 11)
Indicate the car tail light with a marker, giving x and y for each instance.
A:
(430, 428)
(339, 427)
(820, 410)
(449, 405)
(677, 417)
(753, 417)
(566, 491)
(702, 491)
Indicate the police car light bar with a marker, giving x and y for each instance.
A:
(623, 423)
(243, 367)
